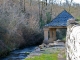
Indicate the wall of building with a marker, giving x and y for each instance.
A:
(73, 41)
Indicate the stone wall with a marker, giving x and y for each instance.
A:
(73, 40)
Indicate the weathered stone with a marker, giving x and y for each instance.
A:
(51, 44)
(42, 46)
(72, 41)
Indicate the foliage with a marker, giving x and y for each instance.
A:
(61, 34)
(78, 19)
(41, 22)
(64, 39)
(4, 50)
(31, 36)
(3, 31)
(48, 15)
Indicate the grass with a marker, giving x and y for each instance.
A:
(48, 54)
(44, 57)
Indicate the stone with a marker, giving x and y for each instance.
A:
(42, 45)
(37, 49)
(42, 50)
(73, 41)
(51, 44)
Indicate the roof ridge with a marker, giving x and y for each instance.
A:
(62, 12)
(60, 19)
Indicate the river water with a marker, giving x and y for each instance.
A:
(20, 54)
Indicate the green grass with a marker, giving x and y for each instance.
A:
(48, 54)
(44, 57)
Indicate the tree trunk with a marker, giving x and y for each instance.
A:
(30, 2)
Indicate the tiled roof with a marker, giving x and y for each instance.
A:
(61, 19)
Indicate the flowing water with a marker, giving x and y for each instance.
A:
(20, 54)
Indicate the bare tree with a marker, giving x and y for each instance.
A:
(30, 2)
(24, 5)
(51, 8)
(69, 2)
(39, 6)
(46, 2)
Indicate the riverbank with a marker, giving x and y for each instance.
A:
(42, 51)
(19, 54)
(51, 51)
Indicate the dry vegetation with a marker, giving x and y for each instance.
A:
(21, 23)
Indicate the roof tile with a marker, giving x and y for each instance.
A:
(61, 19)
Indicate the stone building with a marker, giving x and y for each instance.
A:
(59, 22)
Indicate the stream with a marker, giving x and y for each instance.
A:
(20, 54)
